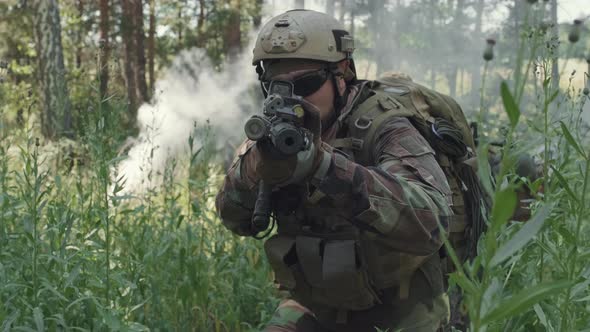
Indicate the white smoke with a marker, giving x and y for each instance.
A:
(190, 96)
(192, 92)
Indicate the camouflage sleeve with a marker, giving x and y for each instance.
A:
(236, 198)
(401, 199)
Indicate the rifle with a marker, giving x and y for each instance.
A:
(280, 129)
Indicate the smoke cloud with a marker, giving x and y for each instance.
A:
(388, 39)
(190, 97)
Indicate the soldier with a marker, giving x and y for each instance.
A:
(357, 243)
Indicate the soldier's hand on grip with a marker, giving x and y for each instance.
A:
(280, 170)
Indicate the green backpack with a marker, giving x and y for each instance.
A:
(442, 123)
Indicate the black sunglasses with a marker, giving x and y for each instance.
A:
(305, 84)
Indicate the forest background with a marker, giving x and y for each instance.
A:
(118, 118)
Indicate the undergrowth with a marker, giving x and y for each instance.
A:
(78, 252)
(533, 275)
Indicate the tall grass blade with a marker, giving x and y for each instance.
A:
(571, 140)
(509, 104)
(7, 324)
(565, 185)
(38, 317)
(524, 300)
(504, 205)
(523, 236)
(542, 317)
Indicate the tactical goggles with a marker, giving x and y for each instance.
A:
(305, 84)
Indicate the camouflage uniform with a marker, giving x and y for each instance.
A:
(358, 248)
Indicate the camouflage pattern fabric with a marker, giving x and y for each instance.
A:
(291, 316)
(403, 197)
(395, 207)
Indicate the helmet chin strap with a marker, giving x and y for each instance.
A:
(339, 101)
(260, 72)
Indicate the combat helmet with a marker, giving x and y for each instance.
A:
(303, 34)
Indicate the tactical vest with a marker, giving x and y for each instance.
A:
(325, 260)
(442, 123)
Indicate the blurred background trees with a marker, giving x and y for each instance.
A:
(88, 243)
(116, 49)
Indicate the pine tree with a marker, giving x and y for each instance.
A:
(57, 119)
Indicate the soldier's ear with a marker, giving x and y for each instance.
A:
(343, 68)
(341, 85)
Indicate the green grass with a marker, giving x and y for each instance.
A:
(534, 276)
(77, 254)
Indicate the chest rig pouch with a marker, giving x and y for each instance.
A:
(337, 265)
(328, 269)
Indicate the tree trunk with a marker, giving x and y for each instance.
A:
(352, 17)
(555, 41)
(458, 21)
(476, 70)
(233, 33)
(257, 17)
(201, 24)
(152, 44)
(479, 17)
(433, 77)
(180, 25)
(452, 78)
(376, 21)
(396, 61)
(433, 5)
(133, 40)
(140, 51)
(462, 81)
(517, 19)
(129, 56)
(351, 7)
(56, 118)
(104, 48)
(80, 8)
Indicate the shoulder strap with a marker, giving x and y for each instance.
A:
(364, 123)
(429, 104)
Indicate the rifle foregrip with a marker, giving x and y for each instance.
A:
(256, 127)
(261, 215)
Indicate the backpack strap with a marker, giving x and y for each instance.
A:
(348, 143)
(365, 121)
(418, 102)
(428, 103)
